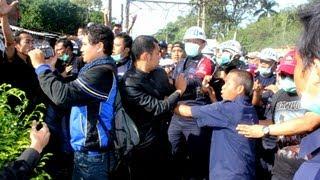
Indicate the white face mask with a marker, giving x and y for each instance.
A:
(117, 57)
(191, 49)
(287, 84)
(264, 71)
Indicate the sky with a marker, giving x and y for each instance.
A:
(152, 17)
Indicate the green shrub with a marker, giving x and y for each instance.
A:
(14, 129)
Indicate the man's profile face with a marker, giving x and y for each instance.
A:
(155, 57)
(26, 43)
(118, 46)
(89, 51)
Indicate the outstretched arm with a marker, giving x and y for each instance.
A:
(307, 123)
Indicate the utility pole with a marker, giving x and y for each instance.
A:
(110, 12)
(127, 14)
(201, 20)
(199, 2)
(121, 15)
(203, 15)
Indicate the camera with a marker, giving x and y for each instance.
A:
(47, 51)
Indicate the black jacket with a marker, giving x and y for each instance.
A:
(143, 96)
(22, 167)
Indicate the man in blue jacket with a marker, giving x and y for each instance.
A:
(91, 96)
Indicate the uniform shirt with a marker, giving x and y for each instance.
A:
(232, 156)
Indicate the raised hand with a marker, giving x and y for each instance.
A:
(5, 8)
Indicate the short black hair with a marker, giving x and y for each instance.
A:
(17, 34)
(309, 43)
(66, 43)
(178, 44)
(143, 44)
(100, 33)
(126, 39)
(245, 79)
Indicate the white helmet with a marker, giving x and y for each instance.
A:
(195, 32)
(232, 46)
(268, 54)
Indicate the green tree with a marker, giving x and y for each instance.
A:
(174, 31)
(59, 16)
(225, 15)
(280, 30)
(266, 9)
(221, 17)
(90, 4)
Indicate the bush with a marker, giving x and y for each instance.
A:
(14, 130)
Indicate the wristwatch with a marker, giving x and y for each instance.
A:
(266, 131)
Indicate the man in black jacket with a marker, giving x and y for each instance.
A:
(144, 88)
(91, 96)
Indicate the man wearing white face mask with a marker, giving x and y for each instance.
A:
(121, 52)
(184, 133)
(268, 58)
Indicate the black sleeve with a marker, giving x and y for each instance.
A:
(22, 167)
(91, 86)
(136, 95)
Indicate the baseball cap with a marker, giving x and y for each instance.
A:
(288, 63)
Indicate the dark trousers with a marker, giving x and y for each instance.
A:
(190, 148)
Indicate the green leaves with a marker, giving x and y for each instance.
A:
(60, 16)
(14, 130)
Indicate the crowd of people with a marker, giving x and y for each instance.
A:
(226, 115)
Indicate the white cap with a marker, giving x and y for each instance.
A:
(268, 54)
(195, 32)
(232, 46)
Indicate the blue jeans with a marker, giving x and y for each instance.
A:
(92, 166)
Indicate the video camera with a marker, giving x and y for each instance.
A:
(47, 50)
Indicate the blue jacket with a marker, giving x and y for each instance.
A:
(232, 156)
(91, 97)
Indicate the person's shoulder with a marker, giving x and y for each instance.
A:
(100, 71)
(131, 77)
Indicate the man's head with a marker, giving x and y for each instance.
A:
(117, 29)
(122, 46)
(195, 41)
(253, 59)
(80, 32)
(97, 42)
(268, 58)
(286, 71)
(163, 48)
(230, 51)
(63, 47)
(177, 51)
(237, 83)
(23, 42)
(145, 51)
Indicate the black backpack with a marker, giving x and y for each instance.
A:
(124, 135)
